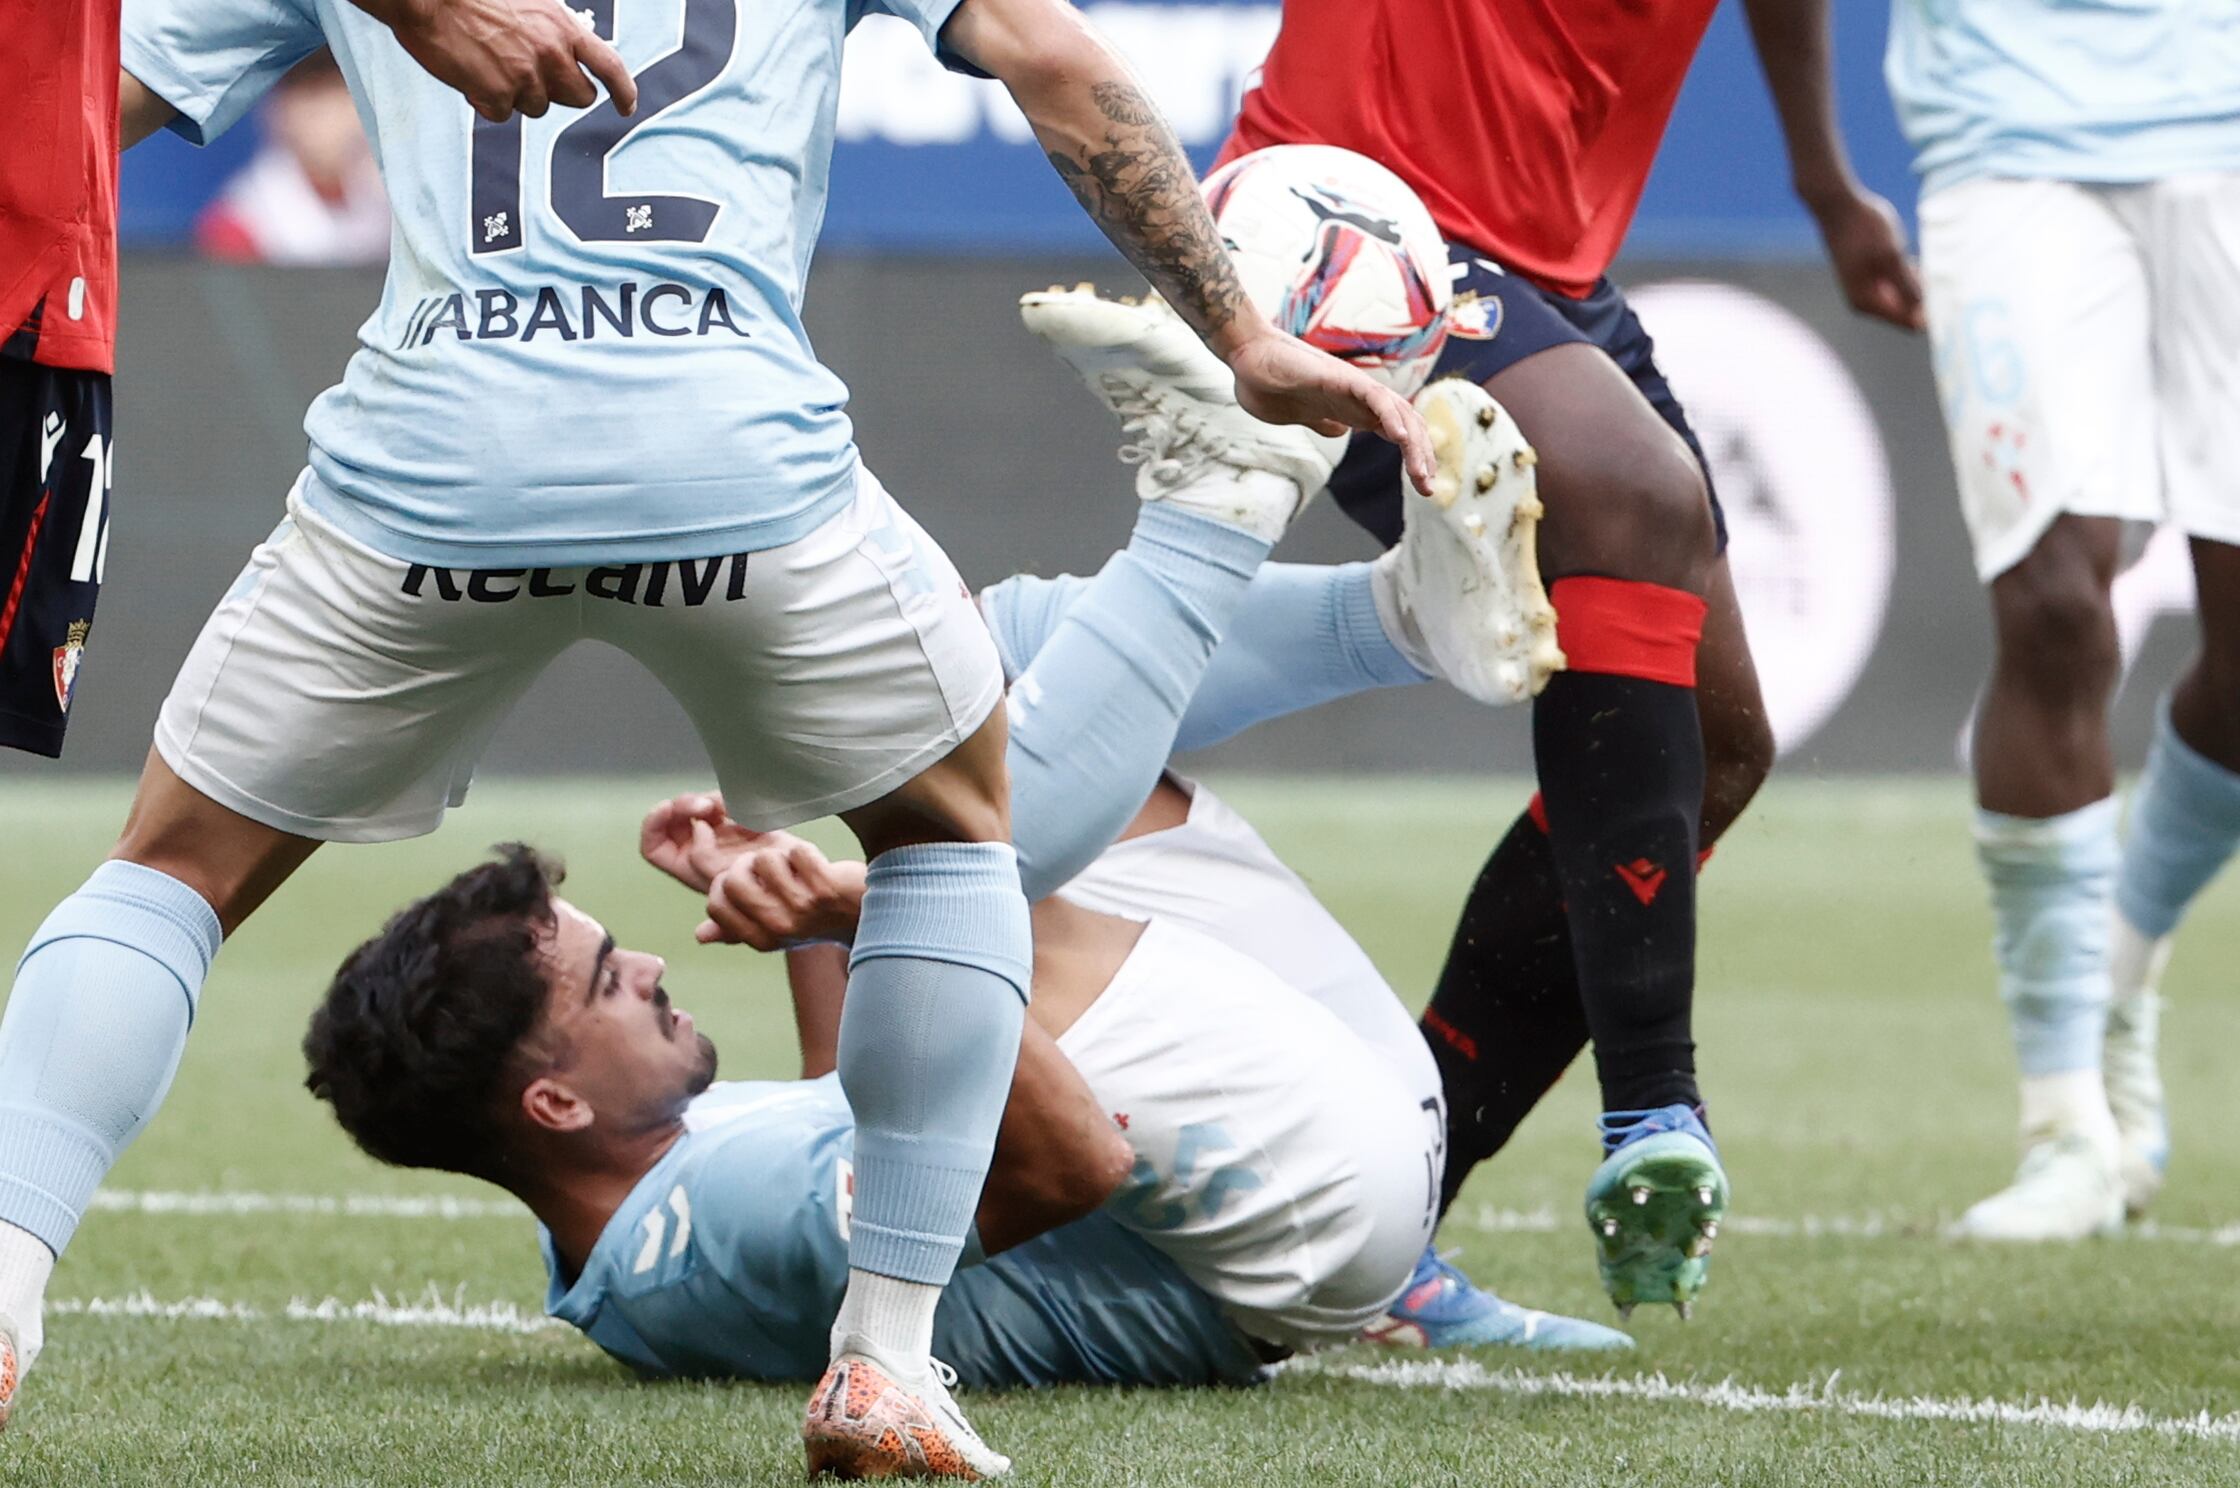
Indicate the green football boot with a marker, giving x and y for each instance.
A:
(1655, 1205)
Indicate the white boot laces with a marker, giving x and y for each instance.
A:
(1168, 439)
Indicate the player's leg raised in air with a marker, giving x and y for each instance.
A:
(1218, 489)
(1464, 591)
(1302, 1216)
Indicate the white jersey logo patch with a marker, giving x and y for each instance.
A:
(656, 1226)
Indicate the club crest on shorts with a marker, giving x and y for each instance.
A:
(67, 656)
(1474, 317)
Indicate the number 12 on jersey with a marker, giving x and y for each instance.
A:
(577, 184)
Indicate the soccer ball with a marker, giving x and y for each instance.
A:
(1338, 251)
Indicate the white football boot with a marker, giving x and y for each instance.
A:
(1465, 576)
(2068, 1186)
(865, 1423)
(2128, 1063)
(1196, 446)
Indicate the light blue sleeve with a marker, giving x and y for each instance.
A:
(213, 59)
(730, 1257)
(928, 16)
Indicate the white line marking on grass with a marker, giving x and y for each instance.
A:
(352, 1206)
(1468, 1374)
(1485, 1218)
(432, 1311)
(435, 1310)
(1491, 1220)
(145, 1305)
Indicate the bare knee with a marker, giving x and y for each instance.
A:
(234, 863)
(1644, 515)
(2056, 627)
(964, 797)
(1624, 493)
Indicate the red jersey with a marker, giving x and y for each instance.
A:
(1527, 126)
(58, 181)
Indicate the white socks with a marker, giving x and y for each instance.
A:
(2073, 1102)
(25, 1265)
(889, 1321)
(2135, 963)
(2052, 885)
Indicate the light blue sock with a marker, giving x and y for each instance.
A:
(2185, 823)
(929, 1036)
(1022, 613)
(103, 1000)
(2051, 885)
(1307, 634)
(1109, 666)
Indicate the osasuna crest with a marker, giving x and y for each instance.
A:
(66, 659)
(1474, 317)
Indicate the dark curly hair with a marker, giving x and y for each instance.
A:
(418, 1045)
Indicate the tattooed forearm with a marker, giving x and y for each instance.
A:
(1132, 178)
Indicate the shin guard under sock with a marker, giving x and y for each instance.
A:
(1619, 751)
(94, 1031)
(929, 1036)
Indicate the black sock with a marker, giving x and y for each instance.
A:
(1621, 774)
(1505, 1021)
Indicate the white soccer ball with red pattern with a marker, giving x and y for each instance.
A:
(1338, 251)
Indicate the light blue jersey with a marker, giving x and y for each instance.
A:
(2076, 90)
(590, 346)
(730, 1257)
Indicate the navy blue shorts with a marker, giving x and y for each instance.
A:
(54, 478)
(1521, 319)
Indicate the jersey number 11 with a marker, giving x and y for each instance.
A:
(577, 187)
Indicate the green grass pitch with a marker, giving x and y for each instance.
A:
(1851, 1045)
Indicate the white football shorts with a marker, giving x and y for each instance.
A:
(341, 694)
(1283, 1165)
(2087, 344)
(1215, 874)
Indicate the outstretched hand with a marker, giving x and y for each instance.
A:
(1282, 380)
(690, 838)
(1867, 244)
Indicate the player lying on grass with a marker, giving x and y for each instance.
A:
(696, 1229)
(493, 1031)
